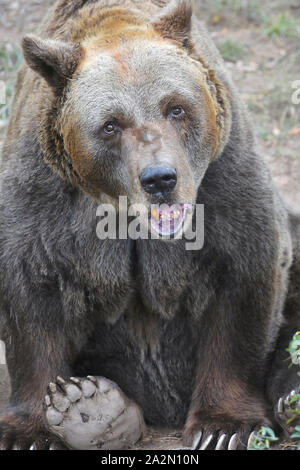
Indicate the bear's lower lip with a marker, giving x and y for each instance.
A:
(166, 221)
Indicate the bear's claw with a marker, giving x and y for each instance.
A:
(219, 441)
(288, 411)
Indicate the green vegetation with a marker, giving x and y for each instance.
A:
(282, 24)
(265, 437)
(219, 11)
(232, 51)
(294, 350)
(10, 60)
(296, 435)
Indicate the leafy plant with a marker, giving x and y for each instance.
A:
(294, 412)
(296, 435)
(263, 439)
(294, 350)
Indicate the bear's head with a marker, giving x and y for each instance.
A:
(134, 111)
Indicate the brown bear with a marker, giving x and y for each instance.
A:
(131, 99)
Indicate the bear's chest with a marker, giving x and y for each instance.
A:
(151, 274)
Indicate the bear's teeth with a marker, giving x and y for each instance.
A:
(155, 214)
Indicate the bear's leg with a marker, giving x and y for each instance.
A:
(283, 378)
(284, 382)
(283, 386)
(33, 359)
(228, 403)
(92, 413)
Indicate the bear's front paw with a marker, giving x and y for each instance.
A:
(92, 413)
(222, 436)
(22, 430)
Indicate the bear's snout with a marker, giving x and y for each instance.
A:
(158, 181)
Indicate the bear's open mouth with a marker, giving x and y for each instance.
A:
(166, 220)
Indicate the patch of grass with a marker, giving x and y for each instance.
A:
(283, 25)
(233, 5)
(232, 51)
(281, 112)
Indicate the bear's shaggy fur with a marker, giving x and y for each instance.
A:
(195, 338)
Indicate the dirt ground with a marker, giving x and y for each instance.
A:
(260, 41)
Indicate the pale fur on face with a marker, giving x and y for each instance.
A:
(135, 83)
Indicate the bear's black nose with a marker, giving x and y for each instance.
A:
(158, 180)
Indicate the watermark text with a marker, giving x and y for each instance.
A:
(2, 353)
(2, 92)
(164, 222)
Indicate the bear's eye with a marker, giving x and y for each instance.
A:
(110, 127)
(177, 112)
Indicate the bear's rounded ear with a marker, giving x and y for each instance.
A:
(54, 60)
(174, 22)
